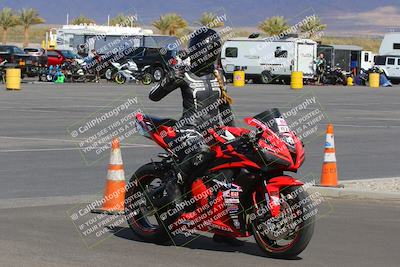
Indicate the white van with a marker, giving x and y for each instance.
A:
(391, 66)
(390, 44)
(264, 60)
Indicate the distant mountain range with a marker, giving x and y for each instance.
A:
(343, 17)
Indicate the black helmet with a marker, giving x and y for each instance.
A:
(204, 49)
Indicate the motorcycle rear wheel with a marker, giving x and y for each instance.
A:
(109, 74)
(298, 239)
(144, 218)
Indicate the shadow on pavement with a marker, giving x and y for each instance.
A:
(197, 242)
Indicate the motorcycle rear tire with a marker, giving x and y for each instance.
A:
(154, 234)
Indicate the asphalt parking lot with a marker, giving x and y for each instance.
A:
(39, 157)
(43, 174)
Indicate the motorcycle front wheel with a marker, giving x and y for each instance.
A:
(147, 79)
(288, 235)
(119, 78)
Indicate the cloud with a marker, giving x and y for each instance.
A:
(386, 16)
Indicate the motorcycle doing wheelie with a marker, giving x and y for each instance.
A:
(244, 192)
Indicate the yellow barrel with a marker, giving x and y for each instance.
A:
(374, 80)
(13, 79)
(296, 81)
(350, 81)
(238, 78)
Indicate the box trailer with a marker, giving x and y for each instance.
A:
(367, 60)
(347, 57)
(264, 60)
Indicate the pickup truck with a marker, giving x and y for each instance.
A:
(16, 57)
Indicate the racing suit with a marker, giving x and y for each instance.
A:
(204, 107)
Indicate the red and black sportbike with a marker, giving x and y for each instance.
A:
(244, 192)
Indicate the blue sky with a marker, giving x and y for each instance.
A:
(357, 16)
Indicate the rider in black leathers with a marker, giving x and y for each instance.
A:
(205, 102)
(206, 105)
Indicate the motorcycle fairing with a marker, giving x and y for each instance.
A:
(273, 187)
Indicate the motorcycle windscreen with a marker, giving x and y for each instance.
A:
(274, 120)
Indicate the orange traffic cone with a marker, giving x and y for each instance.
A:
(329, 169)
(114, 193)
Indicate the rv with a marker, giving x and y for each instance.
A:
(390, 44)
(83, 39)
(264, 60)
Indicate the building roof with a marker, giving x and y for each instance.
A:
(271, 39)
(347, 47)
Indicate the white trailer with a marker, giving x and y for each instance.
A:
(390, 44)
(264, 60)
(367, 60)
(88, 37)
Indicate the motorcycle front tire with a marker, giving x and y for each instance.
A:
(147, 78)
(119, 78)
(303, 236)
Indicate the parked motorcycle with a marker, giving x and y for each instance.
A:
(128, 72)
(3, 71)
(335, 75)
(243, 193)
(77, 71)
(363, 77)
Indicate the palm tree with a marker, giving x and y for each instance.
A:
(170, 23)
(27, 18)
(312, 26)
(81, 19)
(124, 20)
(7, 20)
(209, 20)
(274, 25)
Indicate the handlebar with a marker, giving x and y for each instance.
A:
(252, 136)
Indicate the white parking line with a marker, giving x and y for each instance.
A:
(65, 148)
(40, 139)
(366, 126)
(123, 145)
(370, 118)
(30, 110)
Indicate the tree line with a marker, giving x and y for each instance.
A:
(171, 23)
